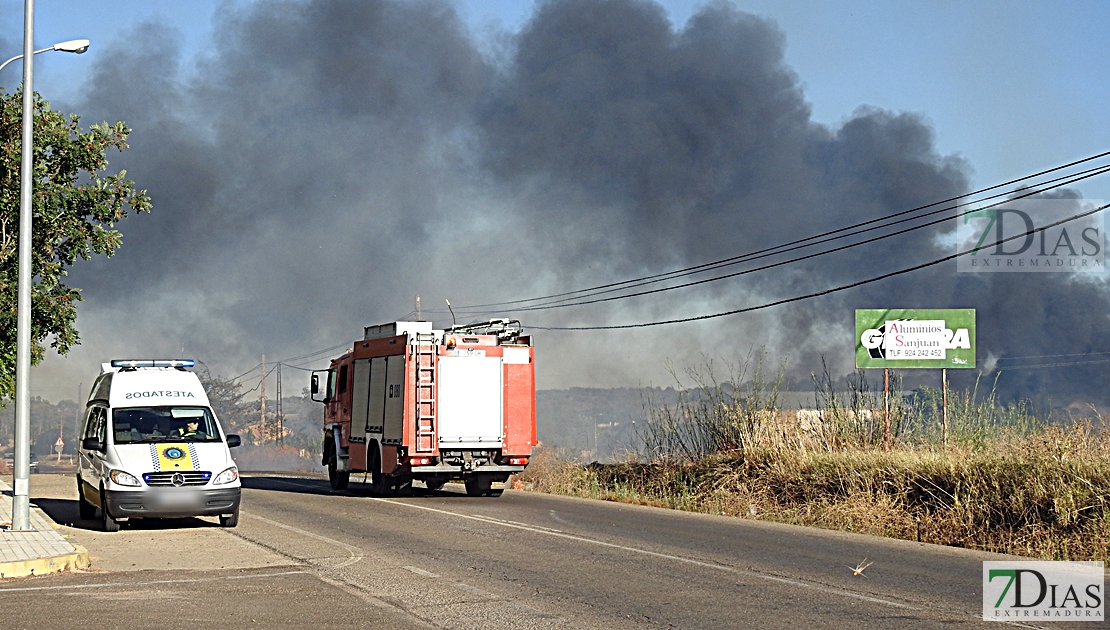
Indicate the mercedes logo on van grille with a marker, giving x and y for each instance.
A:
(178, 479)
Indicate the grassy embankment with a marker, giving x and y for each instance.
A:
(1006, 481)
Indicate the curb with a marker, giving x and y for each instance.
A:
(79, 559)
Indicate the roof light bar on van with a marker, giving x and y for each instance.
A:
(153, 363)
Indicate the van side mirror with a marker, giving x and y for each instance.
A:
(233, 440)
(92, 444)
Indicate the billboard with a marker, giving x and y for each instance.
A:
(915, 338)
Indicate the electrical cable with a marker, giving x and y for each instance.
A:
(767, 252)
(816, 236)
(792, 260)
(285, 361)
(826, 291)
(1052, 356)
(1050, 365)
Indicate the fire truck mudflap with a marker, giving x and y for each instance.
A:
(409, 402)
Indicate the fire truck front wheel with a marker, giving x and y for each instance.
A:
(337, 479)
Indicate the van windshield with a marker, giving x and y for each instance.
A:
(132, 425)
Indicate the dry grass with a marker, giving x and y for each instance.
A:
(1045, 496)
(1005, 482)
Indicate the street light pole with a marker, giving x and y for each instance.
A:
(77, 46)
(21, 503)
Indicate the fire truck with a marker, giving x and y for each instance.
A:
(408, 402)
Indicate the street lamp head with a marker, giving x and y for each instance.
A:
(74, 46)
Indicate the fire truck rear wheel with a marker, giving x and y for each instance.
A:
(477, 486)
(380, 484)
(337, 479)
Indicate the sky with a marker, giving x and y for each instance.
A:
(979, 92)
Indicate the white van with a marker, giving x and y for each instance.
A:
(153, 448)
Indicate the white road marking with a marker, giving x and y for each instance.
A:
(709, 565)
(498, 520)
(355, 552)
(149, 582)
(477, 591)
(419, 571)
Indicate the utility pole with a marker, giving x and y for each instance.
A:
(262, 396)
(280, 415)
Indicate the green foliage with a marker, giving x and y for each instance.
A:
(76, 205)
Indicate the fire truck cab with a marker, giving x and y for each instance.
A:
(409, 402)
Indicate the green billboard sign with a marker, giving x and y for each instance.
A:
(915, 338)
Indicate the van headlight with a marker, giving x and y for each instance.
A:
(227, 476)
(123, 478)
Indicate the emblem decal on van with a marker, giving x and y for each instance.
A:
(167, 457)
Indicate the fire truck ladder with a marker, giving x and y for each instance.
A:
(425, 353)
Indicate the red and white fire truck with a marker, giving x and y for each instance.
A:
(411, 403)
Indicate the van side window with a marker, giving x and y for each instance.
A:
(342, 379)
(95, 425)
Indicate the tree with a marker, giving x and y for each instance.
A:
(76, 205)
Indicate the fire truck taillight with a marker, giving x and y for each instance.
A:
(420, 461)
(518, 461)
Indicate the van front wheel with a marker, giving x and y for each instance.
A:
(230, 520)
(110, 524)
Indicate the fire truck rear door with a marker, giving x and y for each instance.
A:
(469, 402)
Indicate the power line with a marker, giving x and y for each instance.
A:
(802, 240)
(1053, 356)
(303, 356)
(571, 301)
(799, 258)
(1051, 365)
(826, 291)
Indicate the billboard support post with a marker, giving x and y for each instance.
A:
(886, 410)
(944, 404)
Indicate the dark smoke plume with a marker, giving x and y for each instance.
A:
(332, 159)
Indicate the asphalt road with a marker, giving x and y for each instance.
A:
(303, 555)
